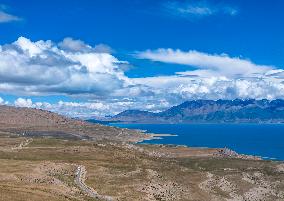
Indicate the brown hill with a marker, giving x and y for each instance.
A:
(36, 122)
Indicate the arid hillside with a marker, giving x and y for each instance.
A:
(47, 157)
(35, 122)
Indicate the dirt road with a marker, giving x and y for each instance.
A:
(23, 144)
(80, 181)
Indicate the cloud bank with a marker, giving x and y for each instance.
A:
(206, 63)
(216, 76)
(70, 68)
(97, 79)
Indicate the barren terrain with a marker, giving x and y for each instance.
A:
(49, 157)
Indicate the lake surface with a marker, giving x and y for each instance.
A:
(265, 140)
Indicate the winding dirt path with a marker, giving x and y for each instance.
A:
(23, 144)
(80, 181)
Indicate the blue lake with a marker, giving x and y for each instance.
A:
(265, 140)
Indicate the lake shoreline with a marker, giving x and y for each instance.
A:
(181, 140)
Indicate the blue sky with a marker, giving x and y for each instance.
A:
(148, 54)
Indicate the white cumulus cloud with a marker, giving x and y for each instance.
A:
(212, 76)
(21, 102)
(2, 101)
(72, 67)
(94, 77)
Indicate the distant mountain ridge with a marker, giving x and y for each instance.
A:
(211, 111)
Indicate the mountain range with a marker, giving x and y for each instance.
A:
(211, 111)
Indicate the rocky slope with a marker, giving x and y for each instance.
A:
(204, 111)
(34, 122)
